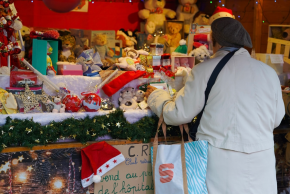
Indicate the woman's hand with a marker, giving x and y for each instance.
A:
(149, 90)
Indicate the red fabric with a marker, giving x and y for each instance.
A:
(115, 85)
(202, 37)
(222, 9)
(94, 156)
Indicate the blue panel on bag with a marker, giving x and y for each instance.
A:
(196, 165)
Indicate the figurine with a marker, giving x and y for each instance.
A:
(58, 107)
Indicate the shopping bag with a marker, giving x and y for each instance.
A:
(179, 168)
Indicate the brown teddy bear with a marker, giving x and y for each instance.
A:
(68, 44)
(100, 46)
(174, 35)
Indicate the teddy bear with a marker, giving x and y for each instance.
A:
(100, 46)
(201, 54)
(68, 44)
(174, 35)
(155, 14)
(127, 99)
(128, 38)
(186, 10)
(58, 107)
(140, 94)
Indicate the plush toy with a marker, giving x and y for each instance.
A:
(49, 67)
(174, 35)
(128, 38)
(90, 61)
(155, 15)
(127, 99)
(201, 53)
(131, 60)
(100, 46)
(58, 107)
(186, 10)
(68, 44)
(201, 19)
(140, 94)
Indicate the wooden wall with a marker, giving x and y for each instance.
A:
(271, 12)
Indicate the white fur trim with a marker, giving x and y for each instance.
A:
(182, 42)
(96, 178)
(220, 15)
(87, 181)
(110, 164)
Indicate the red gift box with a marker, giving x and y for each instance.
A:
(17, 76)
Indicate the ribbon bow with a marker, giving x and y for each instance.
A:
(158, 10)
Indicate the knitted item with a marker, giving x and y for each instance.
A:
(115, 85)
(182, 48)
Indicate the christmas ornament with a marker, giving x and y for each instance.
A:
(29, 99)
(106, 104)
(29, 168)
(91, 102)
(72, 103)
(118, 124)
(61, 6)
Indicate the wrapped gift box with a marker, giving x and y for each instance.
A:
(69, 70)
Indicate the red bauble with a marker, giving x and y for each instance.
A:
(72, 103)
(61, 6)
(91, 102)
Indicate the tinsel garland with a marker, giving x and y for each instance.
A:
(28, 133)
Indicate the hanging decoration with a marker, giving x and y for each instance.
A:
(61, 6)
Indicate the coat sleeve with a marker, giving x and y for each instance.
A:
(280, 107)
(188, 103)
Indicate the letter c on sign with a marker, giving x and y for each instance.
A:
(165, 172)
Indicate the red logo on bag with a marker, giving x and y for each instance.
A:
(165, 172)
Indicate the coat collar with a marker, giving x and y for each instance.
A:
(222, 53)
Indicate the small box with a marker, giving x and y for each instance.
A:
(191, 62)
(22, 76)
(69, 70)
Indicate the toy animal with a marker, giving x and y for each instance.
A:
(201, 19)
(174, 35)
(68, 44)
(140, 94)
(201, 53)
(100, 46)
(186, 10)
(127, 99)
(58, 107)
(155, 14)
(129, 62)
(128, 38)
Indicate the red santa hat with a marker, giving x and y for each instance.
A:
(98, 159)
(221, 12)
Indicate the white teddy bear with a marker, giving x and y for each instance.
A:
(58, 107)
(201, 53)
(127, 99)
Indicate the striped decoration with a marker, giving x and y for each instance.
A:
(196, 165)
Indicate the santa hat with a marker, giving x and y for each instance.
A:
(221, 12)
(182, 48)
(98, 159)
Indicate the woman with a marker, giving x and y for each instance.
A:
(244, 106)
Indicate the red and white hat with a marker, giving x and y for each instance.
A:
(221, 12)
(98, 159)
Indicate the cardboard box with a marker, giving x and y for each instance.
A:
(191, 61)
(197, 29)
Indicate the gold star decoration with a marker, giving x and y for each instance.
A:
(29, 168)
(37, 141)
(107, 116)
(94, 134)
(11, 128)
(28, 130)
(41, 132)
(94, 120)
(88, 133)
(3, 132)
(5, 167)
(29, 99)
(74, 136)
(20, 158)
(108, 124)
(4, 146)
(118, 124)
(103, 126)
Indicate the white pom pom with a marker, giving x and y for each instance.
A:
(96, 178)
(17, 25)
(182, 42)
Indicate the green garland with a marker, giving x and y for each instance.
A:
(27, 133)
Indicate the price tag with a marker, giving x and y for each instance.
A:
(276, 59)
(13, 9)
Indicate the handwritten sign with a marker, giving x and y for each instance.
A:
(276, 59)
(134, 176)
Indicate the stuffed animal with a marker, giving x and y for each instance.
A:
(100, 46)
(201, 53)
(201, 19)
(140, 94)
(186, 10)
(128, 38)
(49, 67)
(129, 62)
(174, 35)
(127, 99)
(89, 61)
(155, 14)
(58, 107)
(68, 44)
